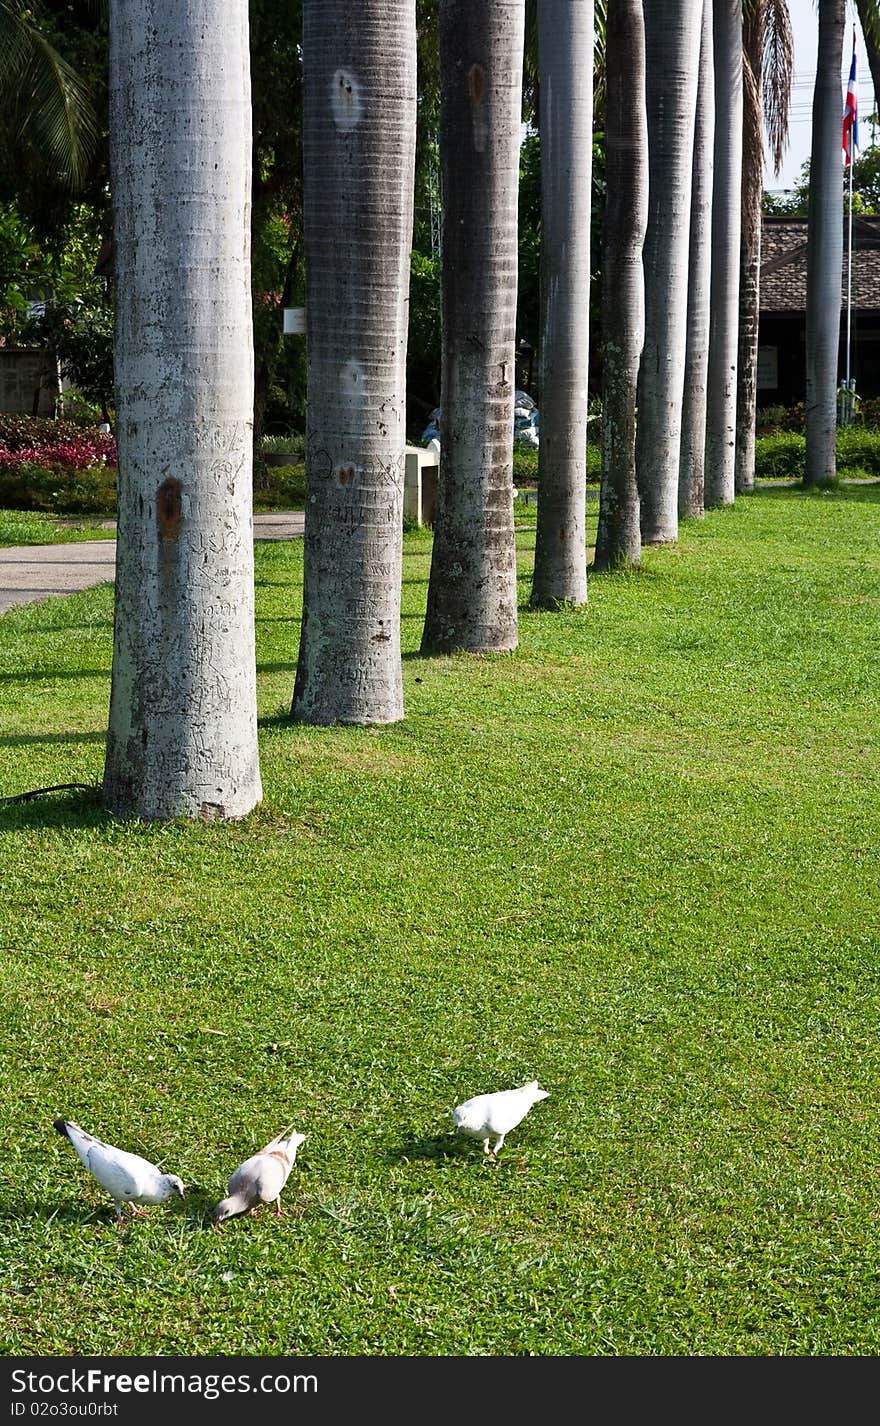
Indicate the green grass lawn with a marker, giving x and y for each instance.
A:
(637, 860)
(32, 527)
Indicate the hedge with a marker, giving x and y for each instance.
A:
(782, 457)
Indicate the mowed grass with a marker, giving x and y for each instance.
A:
(34, 527)
(636, 859)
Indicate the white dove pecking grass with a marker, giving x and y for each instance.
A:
(260, 1178)
(488, 1116)
(127, 1177)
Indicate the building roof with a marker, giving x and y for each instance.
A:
(784, 264)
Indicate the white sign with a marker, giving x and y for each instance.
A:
(294, 321)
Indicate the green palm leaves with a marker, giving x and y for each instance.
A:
(47, 106)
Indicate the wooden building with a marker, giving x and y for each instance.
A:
(783, 295)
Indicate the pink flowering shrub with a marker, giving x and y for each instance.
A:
(76, 452)
(56, 466)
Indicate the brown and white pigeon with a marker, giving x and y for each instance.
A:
(489, 1116)
(260, 1178)
(127, 1177)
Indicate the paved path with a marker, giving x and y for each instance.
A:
(32, 572)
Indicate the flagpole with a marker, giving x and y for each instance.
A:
(852, 104)
(849, 265)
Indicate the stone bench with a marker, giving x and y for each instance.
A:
(420, 484)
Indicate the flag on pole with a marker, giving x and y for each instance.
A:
(851, 114)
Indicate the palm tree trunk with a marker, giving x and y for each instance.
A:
(472, 600)
(565, 38)
(618, 541)
(750, 247)
(359, 118)
(726, 223)
(768, 59)
(824, 249)
(672, 40)
(182, 740)
(693, 420)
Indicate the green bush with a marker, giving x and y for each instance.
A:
(858, 449)
(770, 420)
(868, 413)
(58, 488)
(23, 432)
(594, 464)
(780, 456)
(281, 445)
(525, 465)
(280, 487)
(80, 411)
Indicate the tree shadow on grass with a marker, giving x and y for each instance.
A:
(24, 740)
(55, 810)
(73, 1211)
(865, 492)
(195, 1208)
(276, 668)
(436, 1146)
(46, 675)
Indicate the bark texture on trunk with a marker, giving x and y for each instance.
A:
(719, 486)
(693, 419)
(750, 248)
(359, 127)
(565, 38)
(747, 370)
(672, 41)
(825, 249)
(618, 541)
(182, 738)
(472, 596)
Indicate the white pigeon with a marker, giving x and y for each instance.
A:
(260, 1178)
(494, 1115)
(127, 1177)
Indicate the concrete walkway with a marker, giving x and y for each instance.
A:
(29, 573)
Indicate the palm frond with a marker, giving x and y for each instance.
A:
(601, 14)
(777, 77)
(58, 114)
(14, 41)
(753, 131)
(869, 19)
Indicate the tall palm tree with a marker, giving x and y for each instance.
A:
(47, 106)
(565, 34)
(824, 249)
(693, 421)
(618, 540)
(359, 126)
(767, 74)
(726, 216)
(182, 740)
(672, 40)
(472, 590)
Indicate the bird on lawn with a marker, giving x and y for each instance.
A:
(260, 1178)
(127, 1177)
(488, 1116)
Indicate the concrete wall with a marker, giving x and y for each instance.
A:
(27, 374)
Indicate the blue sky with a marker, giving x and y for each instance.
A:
(805, 25)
